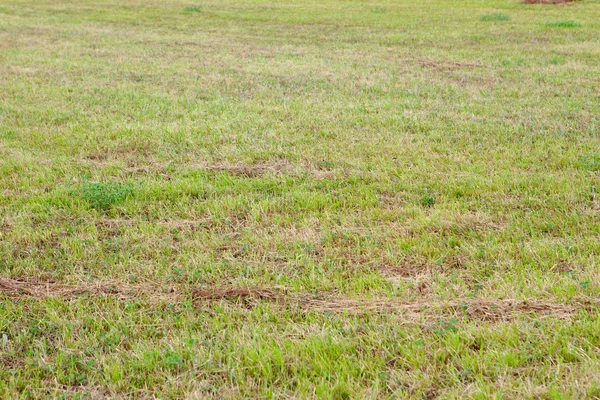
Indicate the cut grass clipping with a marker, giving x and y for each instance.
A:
(414, 311)
(494, 17)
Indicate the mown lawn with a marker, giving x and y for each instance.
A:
(299, 199)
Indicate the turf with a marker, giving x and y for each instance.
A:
(299, 199)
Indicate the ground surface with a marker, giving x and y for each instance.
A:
(328, 199)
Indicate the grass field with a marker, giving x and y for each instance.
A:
(299, 199)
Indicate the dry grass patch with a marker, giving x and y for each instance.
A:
(41, 289)
(478, 309)
(251, 170)
(247, 295)
(448, 64)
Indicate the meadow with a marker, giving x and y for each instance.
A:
(330, 199)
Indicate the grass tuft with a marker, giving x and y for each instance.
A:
(196, 9)
(563, 24)
(102, 195)
(428, 200)
(494, 17)
(590, 162)
(557, 60)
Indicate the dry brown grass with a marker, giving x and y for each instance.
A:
(476, 309)
(251, 171)
(41, 289)
(448, 64)
(277, 167)
(245, 294)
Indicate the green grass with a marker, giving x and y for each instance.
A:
(563, 24)
(344, 155)
(494, 17)
(103, 195)
(193, 9)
